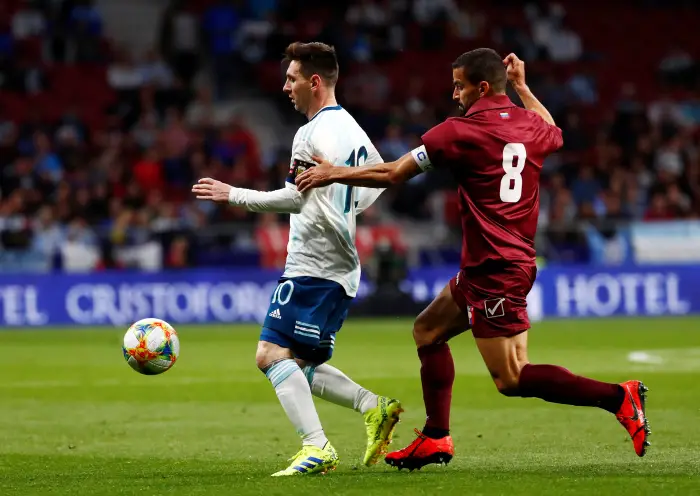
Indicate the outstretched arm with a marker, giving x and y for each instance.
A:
(285, 200)
(369, 176)
(516, 75)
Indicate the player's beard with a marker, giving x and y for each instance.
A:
(459, 110)
(463, 107)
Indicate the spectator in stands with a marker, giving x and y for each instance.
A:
(427, 11)
(202, 112)
(254, 34)
(692, 182)
(669, 157)
(666, 111)
(99, 204)
(634, 197)
(148, 172)
(583, 88)
(180, 41)
(575, 139)
(154, 71)
(394, 145)
(15, 232)
(433, 17)
(554, 94)
(28, 21)
(466, 21)
(559, 201)
(239, 148)
(8, 131)
(123, 74)
(564, 44)
(658, 208)
(678, 67)
(48, 234)
(690, 108)
(367, 91)
(678, 201)
(146, 131)
(261, 9)
(370, 20)
(85, 31)
(552, 35)
(585, 188)
(80, 251)
(179, 255)
(220, 23)
(175, 136)
(6, 41)
(46, 162)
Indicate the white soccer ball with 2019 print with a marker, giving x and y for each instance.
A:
(151, 346)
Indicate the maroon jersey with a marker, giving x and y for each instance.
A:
(495, 153)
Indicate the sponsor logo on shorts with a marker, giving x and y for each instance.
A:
(494, 308)
(275, 314)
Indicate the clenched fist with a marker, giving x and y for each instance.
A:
(515, 69)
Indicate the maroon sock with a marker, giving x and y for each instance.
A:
(558, 385)
(437, 374)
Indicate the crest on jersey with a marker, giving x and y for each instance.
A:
(297, 168)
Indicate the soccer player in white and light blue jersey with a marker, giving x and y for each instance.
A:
(322, 272)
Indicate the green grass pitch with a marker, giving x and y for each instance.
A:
(75, 419)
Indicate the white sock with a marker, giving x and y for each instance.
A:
(332, 385)
(295, 396)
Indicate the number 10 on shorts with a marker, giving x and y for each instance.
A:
(283, 293)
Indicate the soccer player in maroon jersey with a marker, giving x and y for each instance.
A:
(495, 153)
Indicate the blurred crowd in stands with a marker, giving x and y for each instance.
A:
(105, 183)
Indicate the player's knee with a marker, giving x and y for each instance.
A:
(507, 388)
(506, 382)
(261, 360)
(423, 334)
(268, 353)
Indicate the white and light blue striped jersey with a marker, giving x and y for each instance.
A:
(322, 236)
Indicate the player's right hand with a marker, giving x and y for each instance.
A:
(315, 177)
(212, 190)
(515, 69)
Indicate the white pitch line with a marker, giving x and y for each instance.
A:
(644, 357)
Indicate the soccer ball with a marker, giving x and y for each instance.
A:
(151, 346)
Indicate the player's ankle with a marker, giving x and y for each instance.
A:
(366, 400)
(435, 432)
(317, 439)
(614, 405)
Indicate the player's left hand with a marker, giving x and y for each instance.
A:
(515, 69)
(212, 190)
(315, 177)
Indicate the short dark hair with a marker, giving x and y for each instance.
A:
(314, 58)
(483, 64)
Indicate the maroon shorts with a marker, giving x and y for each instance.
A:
(494, 296)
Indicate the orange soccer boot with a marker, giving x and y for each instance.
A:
(421, 452)
(632, 415)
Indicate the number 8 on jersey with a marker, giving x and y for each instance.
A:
(514, 156)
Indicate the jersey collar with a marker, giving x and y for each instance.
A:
(334, 107)
(490, 103)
